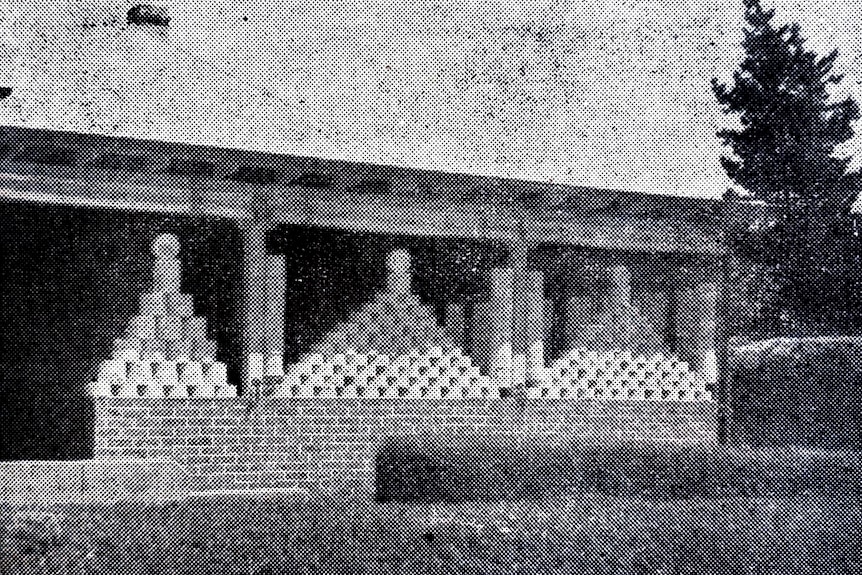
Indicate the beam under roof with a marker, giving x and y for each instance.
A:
(135, 175)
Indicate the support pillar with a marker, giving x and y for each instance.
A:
(275, 300)
(252, 301)
(500, 321)
(398, 272)
(261, 303)
(454, 323)
(619, 295)
(696, 324)
(577, 313)
(528, 318)
(529, 326)
(491, 330)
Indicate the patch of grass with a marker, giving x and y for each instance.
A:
(471, 468)
(584, 534)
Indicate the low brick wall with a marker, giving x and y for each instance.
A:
(330, 445)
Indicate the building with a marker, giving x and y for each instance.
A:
(281, 250)
(302, 243)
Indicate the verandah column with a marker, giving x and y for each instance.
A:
(491, 329)
(696, 325)
(528, 318)
(500, 322)
(261, 301)
(619, 294)
(275, 301)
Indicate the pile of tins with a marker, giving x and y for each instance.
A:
(617, 375)
(164, 351)
(392, 323)
(625, 328)
(130, 376)
(426, 373)
(163, 355)
(166, 330)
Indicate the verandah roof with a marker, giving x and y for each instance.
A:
(121, 173)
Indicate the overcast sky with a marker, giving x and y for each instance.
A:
(612, 94)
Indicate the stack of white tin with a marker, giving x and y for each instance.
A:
(165, 351)
(422, 373)
(617, 375)
(394, 323)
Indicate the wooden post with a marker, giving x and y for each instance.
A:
(722, 349)
(261, 302)
(275, 301)
(454, 322)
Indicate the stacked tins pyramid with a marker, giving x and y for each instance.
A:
(165, 351)
(392, 347)
(617, 374)
(395, 322)
(623, 328)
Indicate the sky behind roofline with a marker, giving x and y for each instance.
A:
(603, 94)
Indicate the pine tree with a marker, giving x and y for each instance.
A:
(783, 154)
(790, 128)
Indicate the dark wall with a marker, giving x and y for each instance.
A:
(70, 280)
